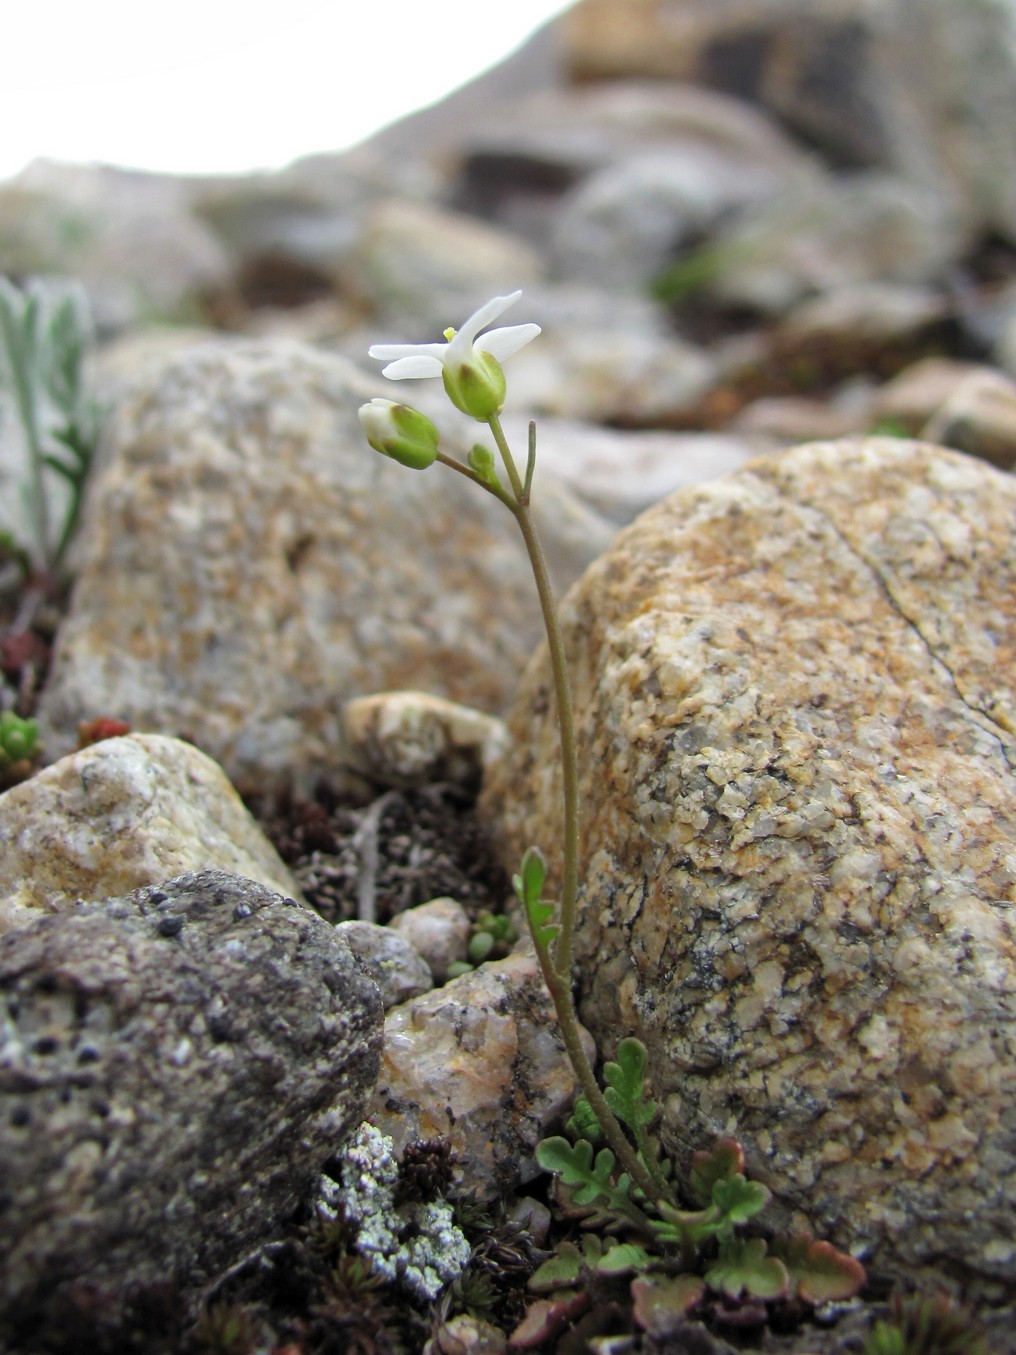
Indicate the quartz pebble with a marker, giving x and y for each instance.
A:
(438, 931)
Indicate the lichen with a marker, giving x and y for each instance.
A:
(417, 1245)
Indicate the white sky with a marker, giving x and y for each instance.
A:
(201, 86)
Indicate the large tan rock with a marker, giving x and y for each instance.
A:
(247, 564)
(797, 730)
(120, 815)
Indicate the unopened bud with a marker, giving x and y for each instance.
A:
(401, 432)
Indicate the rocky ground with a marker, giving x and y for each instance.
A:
(776, 397)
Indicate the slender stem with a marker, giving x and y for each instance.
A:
(565, 715)
(471, 474)
(560, 992)
(557, 964)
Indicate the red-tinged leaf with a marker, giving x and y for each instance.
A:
(659, 1303)
(818, 1271)
(545, 1318)
(719, 1163)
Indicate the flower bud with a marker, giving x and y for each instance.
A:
(401, 432)
(481, 461)
(476, 386)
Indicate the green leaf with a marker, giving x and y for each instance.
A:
(723, 1160)
(739, 1200)
(744, 1267)
(819, 1272)
(582, 1123)
(573, 1163)
(589, 1180)
(622, 1258)
(625, 1090)
(528, 885)
(682, 1226)
(480, 946)
(562, 1270)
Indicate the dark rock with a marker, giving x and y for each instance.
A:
(175, 1065)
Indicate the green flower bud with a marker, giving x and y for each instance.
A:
(481, 461)
(401, 432)
(476, 386)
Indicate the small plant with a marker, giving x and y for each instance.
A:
(681, 1258)
(612, 1172)
(19, 749)
(44, 337)
(491, 938)
(923, 1324)
(469, 365)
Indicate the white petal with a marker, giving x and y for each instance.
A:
(385, 352)
(414, 365)
(481, 318)
(502, 343)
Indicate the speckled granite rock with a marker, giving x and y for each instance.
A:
(120, 814)
(174, 1068)
(797, 729)
(479, 1062)
(248, 564)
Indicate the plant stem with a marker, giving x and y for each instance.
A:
(557, 965)
(565, 715)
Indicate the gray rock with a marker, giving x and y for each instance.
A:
(826, 235)
(979, 418)
(437, 930)
(174, 1068)
(397, 968)
(420, 266)
(248, 564)
(121, 814)
(926, 90)
(129, 238)
(523, 161)
(606, 359)
(621, 473)
(796, 720)
(622, 226)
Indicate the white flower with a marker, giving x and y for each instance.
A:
(469, 365)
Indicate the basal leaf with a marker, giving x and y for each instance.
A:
(739, 1200)
(623, 1257)
(589, 1179)
(658, 1302)
(723, 1160)
(744, 1267)
(818, 1271)
(560, 1272)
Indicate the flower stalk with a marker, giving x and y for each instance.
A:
(469, 364)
